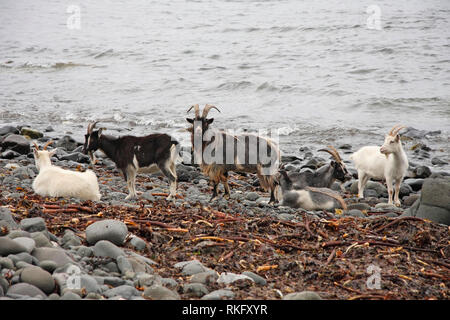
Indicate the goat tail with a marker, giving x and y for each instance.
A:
(330, 194)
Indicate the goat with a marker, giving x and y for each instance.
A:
(388, 162)
(54, 181)
(325, 176)
(132, 155)
(309, 198)
(218, 152)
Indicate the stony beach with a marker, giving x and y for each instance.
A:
(241, 248)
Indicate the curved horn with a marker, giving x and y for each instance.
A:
(396, 130)
(47, 144)
(391, 132)
(196, 110)
(36, 146)
(91, 126)
(338, 157)
(207, 108)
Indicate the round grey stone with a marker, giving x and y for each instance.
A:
(59, 256)
(9, 246)
(158, 292)
(48, 265)
(219, 295)
(195, 289)
(25, 289)
(68, 295)
(124, 291)
(104, 248)
(304, 295)
(28, 243)
(258, 279)
(39, 278)
(114, 231)
(33, 224)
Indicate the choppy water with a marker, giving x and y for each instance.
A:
(312, 68)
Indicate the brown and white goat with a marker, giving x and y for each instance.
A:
(218, 152)
(134, 155)
(388, 162)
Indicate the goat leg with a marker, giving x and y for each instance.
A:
(397, 192)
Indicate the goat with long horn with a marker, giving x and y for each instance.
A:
(218, 152)
(388, 162)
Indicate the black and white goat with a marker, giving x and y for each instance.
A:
(388, 162)
(134, 155)
(325, 176)
(218, 152)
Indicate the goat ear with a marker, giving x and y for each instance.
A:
(35, 153)
(100, 132)
(190, 120)
(209, 121)
(53, 152)
(397, 138)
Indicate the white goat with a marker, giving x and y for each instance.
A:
(388, 162)
(54, 181)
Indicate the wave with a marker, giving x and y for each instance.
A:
(235, 85)
(55, 66)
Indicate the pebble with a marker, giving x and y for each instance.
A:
(25, 289)
(138, 243)
(206, 277)
(124, 265)
(195, 289)
(6, 263)
(219, 295)
(68, 295)
(114, 231)
(48, 265)
(158, 292)
(104, 248)
(252, 196)
(58, 256)
(355, 213)
(9, 246)
(33, 224)
(39, 278)
(28, 243)
(256, 278)
(124, 291)
(304, 295)
(229, 277)
(190, 268)
(7, 219)
(41, 240)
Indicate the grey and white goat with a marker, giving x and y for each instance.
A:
(309, 198)
(218, 152)
(325, 176)
(388, 162)
(132, 155)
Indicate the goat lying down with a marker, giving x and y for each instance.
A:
(325, 176)
(309, 198)
(132, 155)
(388, 162)
(53, 181)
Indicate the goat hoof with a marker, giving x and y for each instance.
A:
(130, 197)
(226, 196)
(398, 204)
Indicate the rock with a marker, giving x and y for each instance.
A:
(89, 284)
(438, 161)
(23, 256)
(422, 172)
(28, 243)
(219, 295)
(345, 146)
(104, 248)
(434, 202)
(124, 291)
(114, 231)
(114, 281)
(25, 289)
(419, 134)
(355, 213)
(6, 218)
(67, 143)
(304, 295)
(33, 134)
(124, 265)
(84, 251)
(158, 292)
(8, 129)
(169, 282)
(49, 129)
(16, 143)
(68, 295)
(9, 246)
(6, 263)
(229, 277)
(256, 278)
(195, 289)
(41, 240)
(386, 206)
(39, 278)
(58, 256)
(70, 239)
(138, 244)
(415, 184)
(33, 224)
(409, 200)
(379, 189)
(252, 196)
(9, 154)
(191, 267)
(358, 206)
(206, 277)
(76, 157)
(48, 265)
(405, 190)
